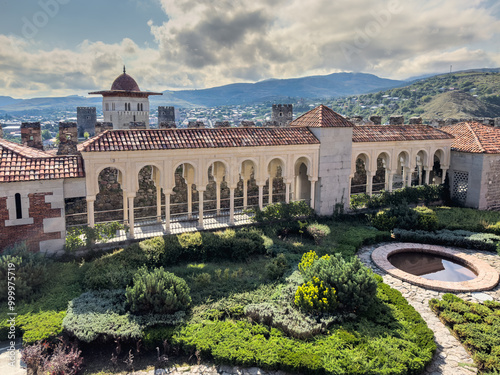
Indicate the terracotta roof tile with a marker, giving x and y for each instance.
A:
(474, 137)
(386, 133)
(321, 117)
(22, 163)
(168, 139)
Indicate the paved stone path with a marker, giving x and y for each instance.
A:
(451, 358)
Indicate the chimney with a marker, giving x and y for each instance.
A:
(101, 127)
(377, 120)
(222, 124)
(68, 138)
(416, 121)
(396, 120)
(137, 125)
(31, 135)
(196, 125)
(497, 122)
(247, 124)
(451, 121)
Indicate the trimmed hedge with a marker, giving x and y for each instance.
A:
(476, 325)
(459, 238)
(394, 340)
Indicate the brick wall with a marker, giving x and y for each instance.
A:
(33, 234)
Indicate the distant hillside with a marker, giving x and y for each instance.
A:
(458, 104)
(479, 89)
(328, 86)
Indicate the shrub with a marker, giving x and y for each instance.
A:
(354, 283)
(85, 236)
(383, 221)
(158, 292)
(314, 295)
(153, 249)
(427, 219)
(276, 267)
(64, 359)
(192, 246)
(318, 232)
(459, 238)
(40, 326)
(28, 269)
(476, 325)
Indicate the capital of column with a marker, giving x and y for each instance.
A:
(233, 187)
(201, 190)
(90, 198)
(131, 194)
(313, 179)
(261, 184)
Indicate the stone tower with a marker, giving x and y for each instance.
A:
(86, 119)
(31, 135)
(166, 117)
(68, 138)
(282, 114)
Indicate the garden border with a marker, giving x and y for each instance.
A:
(487, 277)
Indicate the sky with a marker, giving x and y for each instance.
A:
(71, 47)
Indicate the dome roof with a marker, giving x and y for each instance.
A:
(125, 82)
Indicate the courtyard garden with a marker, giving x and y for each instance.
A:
(287, 293)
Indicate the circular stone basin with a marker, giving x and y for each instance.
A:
(435, 267)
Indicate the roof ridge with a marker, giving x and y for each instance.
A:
(476, 137)
(24, 150)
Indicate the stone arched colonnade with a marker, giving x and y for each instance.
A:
(298, 167)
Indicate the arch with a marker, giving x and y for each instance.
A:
(275, 162)
(302, 182)
(421, 161)
(436, 174)
(148, 198)
(109, 202)
(307, 162)
(365, 157)
(359, 180)
(276, 169)
(380, 177)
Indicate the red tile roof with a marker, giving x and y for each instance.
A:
(22, 163)
(474, 137)
(321, 117)
(168, 139)
(386, 133)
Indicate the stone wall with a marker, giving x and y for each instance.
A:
(492, 182)
(33, 233)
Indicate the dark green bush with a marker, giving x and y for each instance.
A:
(354, 284)
(276, 267)
(476, 325)
(154, 250)
(318, 232)
(427, 219)
(28, 269)
(158, 292)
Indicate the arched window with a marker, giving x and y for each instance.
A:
(107, 106)
(113, 105)
(134, 118)
(19, 210)
(138, 107)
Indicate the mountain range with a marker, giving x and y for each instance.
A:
(317, 87)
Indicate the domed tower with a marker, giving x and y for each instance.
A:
(125, 103)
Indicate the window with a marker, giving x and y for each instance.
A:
(460, 185)
(142, 108)
(107, 106)
(134, 118)
(138, 107)
(113, 106)
(19, 209)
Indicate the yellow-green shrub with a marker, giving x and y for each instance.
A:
(316, 296)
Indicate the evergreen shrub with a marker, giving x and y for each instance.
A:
(318, 232)
(276, 267)
(158, 292)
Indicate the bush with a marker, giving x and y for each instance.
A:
(85, 236)
(40, 326)
(42, 358)
(153, 249)
(354, 283)
(404, 217)
(427, 219)
(276, 267)
(318, 232)
(158, 292)
(459, 238)
(28, 269)
(285, 213)
(314, 295)
(476, 326)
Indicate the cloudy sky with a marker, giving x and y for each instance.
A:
(66, 47)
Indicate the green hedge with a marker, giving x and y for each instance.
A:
(460, 238)
(414, 195)
(394, 340)
(476, 325)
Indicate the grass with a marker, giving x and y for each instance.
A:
(468, 219)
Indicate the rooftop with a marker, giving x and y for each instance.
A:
(474, 137)
(321, 117)
(22, 163)
(168, 139)
(387, 133)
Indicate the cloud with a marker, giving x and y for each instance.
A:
(205, 44)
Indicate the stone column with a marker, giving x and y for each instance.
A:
(158, 204)
(270, 201)
(245, 194)
(420, 169)
(200, 208)
(369, 183)
(287, 192)
(167, 213)
(404, 176)
(444, 169)
(313, 193)
(408, 177)
(427, 175)
(190, 200)
(90, 211)
(261, 196)
(217, 192)
(231, 205)
(125, 208)
(389, 182)
(131, 215)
